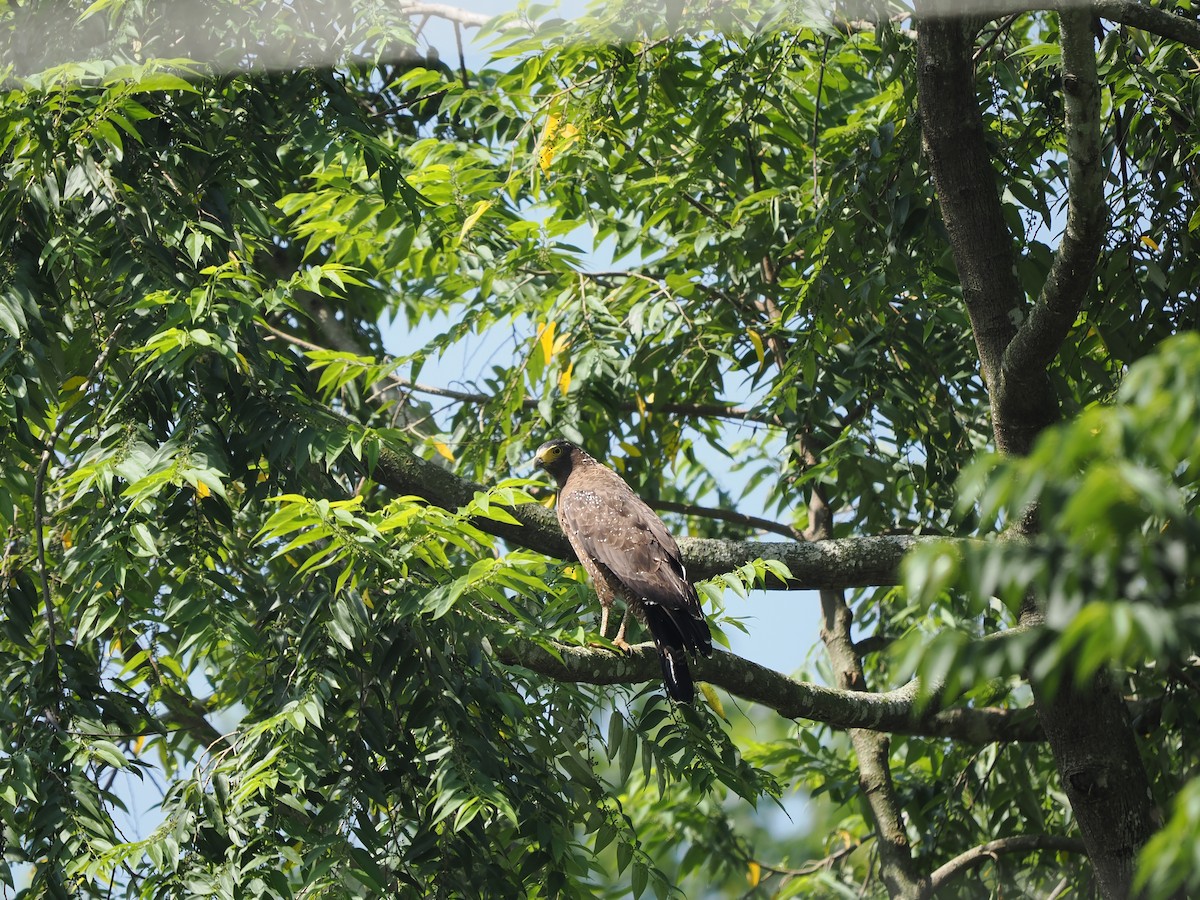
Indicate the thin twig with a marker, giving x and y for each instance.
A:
(462, 58)
(817, 865)
(728, 515)
(1018, 843)
(700, 410)
(816, 124)
(995, 36)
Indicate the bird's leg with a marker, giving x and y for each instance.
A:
(604, 608)
(619, 640)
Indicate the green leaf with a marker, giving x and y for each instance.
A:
(160, 81)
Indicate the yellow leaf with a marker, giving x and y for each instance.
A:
(564, 378)
(713, 700)
(202, 490)
(556, 138)
(753, 873)
(67, 541)
(1149, 242)
(566, 138)
(641, 404)
(546, 154)
(480, 208)
(546, 339)
(553, 121)
(757, 341)
(366, 599)
(73, 384)
(137, 743)
(444, 450)
(630, 448)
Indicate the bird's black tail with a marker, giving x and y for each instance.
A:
(674, 635)
(677, 677)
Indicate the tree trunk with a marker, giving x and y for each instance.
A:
(1087, 728)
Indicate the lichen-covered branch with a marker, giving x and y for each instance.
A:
(1133, 13)
(831, 564)
(896, 712)
(1040, 336)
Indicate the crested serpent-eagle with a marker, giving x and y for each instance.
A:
(628, 552)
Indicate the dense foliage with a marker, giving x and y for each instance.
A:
(344, 685)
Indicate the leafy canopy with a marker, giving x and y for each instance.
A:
(206, 591)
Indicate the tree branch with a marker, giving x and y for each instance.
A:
(896, 712)
(818, 562)
(1148, 18)
(729, 515)
(1127, 12)
(454, 14)
(346, 344)
(955, 143)
(1020, 843)
(836, 564)
(189, 715)
(1087, 728)
(897, 865)
(1040, 336)
(817, 865)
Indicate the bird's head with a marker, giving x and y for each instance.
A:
(557, 457)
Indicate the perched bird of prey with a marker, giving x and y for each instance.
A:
(628, 552)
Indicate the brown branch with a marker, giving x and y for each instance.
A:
(1147, 18)
(816, 865)
(955, 144)
(1087, 728)
(1133, 13)
(189, 715)
(896, 712)
(996, 34)
(898, 868)
(1020, 843)
(1040, 336)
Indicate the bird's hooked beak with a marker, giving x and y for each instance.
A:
(539, 460)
